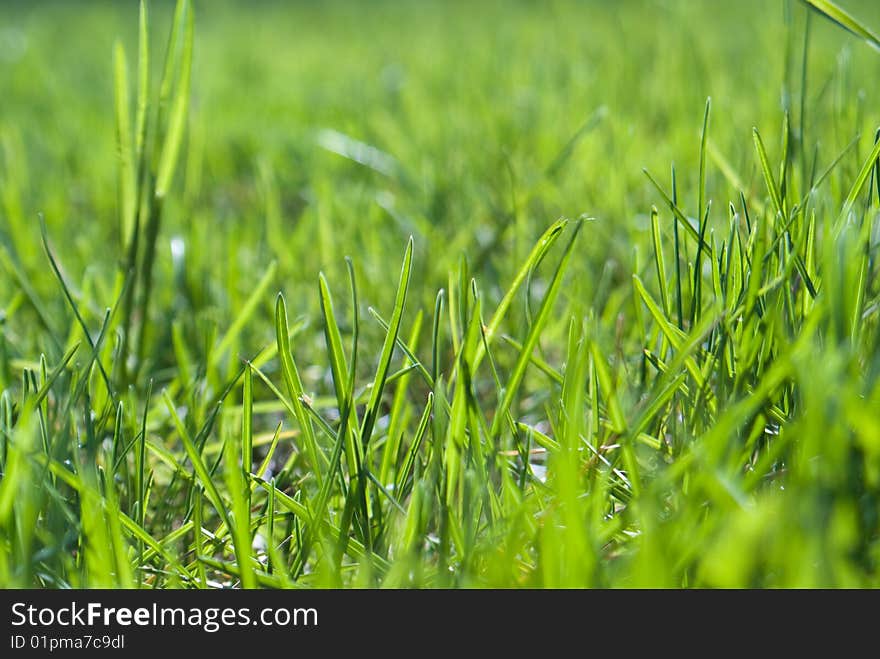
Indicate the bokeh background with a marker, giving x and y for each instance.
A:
(478, 124)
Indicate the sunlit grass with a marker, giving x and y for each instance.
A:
(434, 310)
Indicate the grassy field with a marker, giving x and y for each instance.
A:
(439, 294)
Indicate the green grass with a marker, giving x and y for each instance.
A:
(411, 295)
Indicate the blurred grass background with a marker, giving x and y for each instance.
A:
(320, 130)
(471, 102)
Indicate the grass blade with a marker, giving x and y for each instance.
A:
(168, 157)
(372, 410)
(836, 14)
(294, 386)
(769, 180)
(534, 333)
(195, 457)
(127, 191)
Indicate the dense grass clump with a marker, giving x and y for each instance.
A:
(409, 295)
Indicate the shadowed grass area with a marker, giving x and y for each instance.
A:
(439, 295)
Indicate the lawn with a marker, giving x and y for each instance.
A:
(439, 294)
